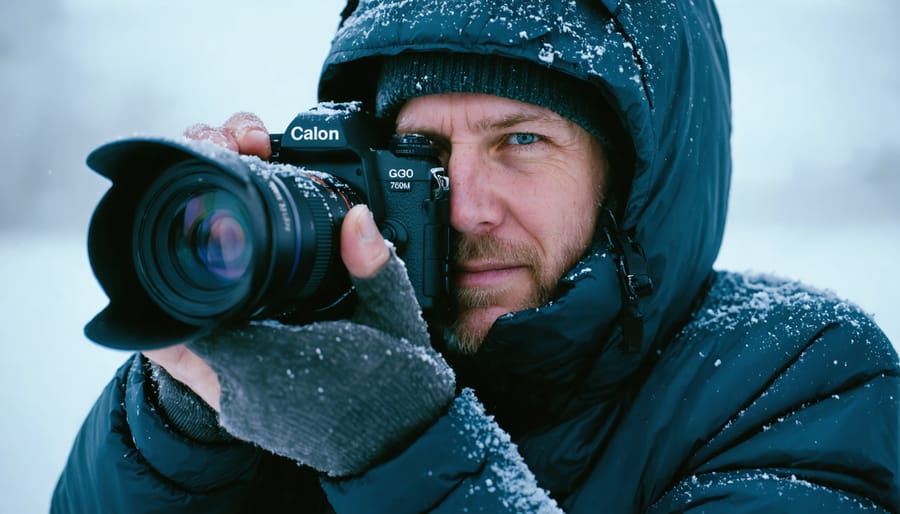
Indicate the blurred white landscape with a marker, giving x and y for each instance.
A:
(815, 189)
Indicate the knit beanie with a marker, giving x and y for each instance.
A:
(409, 75)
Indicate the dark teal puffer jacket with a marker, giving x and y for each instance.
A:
(747, 394)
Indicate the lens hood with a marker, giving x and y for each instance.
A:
(133, 320)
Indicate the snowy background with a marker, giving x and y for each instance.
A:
(815, 192)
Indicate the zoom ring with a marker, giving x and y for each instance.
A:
(323, 252)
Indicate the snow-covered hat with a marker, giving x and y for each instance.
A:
(411, 75)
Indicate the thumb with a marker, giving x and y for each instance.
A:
(387, 301)
(363, 249)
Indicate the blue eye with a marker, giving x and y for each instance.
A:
(522, 138)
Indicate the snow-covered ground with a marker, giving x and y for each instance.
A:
(817, 147)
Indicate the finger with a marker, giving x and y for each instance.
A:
(250, 133)
(217, 136)
(189, 369)
(363, 249)
(387, 301)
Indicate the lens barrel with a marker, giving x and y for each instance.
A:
(209, 245)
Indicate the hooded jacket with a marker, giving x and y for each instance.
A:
(739, 393)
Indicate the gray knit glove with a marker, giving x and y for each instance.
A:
(186, 412)
(337, 396)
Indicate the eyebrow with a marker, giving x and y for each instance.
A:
(498, 123)
(513, 119)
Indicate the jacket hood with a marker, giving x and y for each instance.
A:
(662, 66)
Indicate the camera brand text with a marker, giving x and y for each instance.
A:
(299, 133)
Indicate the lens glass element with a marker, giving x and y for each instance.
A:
(211, 236)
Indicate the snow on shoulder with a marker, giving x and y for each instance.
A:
(739, 300)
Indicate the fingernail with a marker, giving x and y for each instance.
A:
(256, 137)
(368, 231)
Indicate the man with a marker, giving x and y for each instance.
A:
(599, 364)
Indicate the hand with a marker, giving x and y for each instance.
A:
(337, 396)
(245, 133)
(364, 254)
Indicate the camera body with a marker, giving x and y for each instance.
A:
(192, 236)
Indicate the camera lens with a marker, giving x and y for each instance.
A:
(212, 235)
(215, 241)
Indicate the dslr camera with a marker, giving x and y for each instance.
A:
(191, 236)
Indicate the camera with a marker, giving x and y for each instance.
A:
(192, 236)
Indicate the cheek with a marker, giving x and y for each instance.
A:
(555, 201)
(568, 222)
(567, 202)
(560, 220)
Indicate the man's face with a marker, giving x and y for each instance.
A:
(525, 189)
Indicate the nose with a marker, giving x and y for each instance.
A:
(475, 206)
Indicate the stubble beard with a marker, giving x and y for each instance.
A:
(469, 337)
